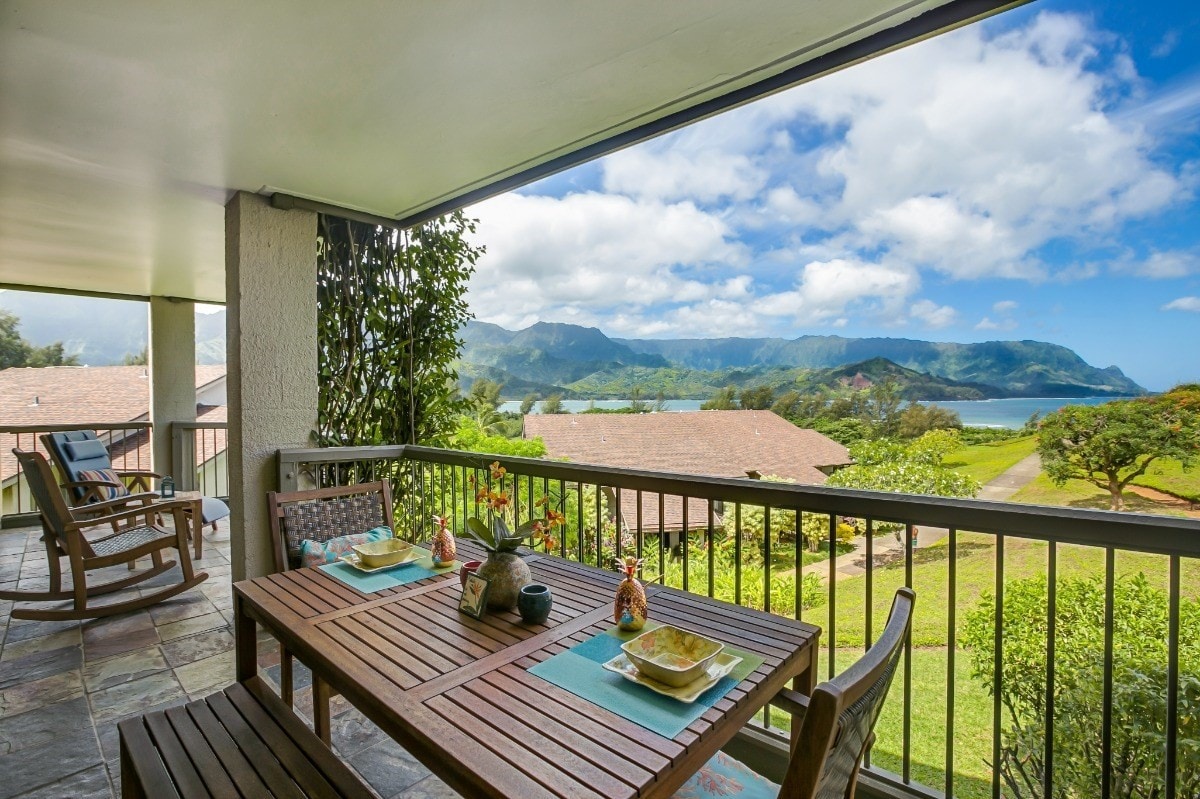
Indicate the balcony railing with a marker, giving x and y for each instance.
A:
(199, 457)
(942, 733)
(128, 443)
(198, 461)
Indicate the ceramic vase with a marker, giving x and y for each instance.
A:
(506, 574)
(534, 602)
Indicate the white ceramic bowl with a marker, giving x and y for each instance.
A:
(387, 552)
(672, 656)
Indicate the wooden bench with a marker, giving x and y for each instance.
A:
(243, 741)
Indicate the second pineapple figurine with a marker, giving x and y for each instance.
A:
(629, 607)
(442, 549)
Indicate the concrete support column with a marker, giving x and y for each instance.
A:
(271, 335)
(172, 374)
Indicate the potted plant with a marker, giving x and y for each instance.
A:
(504, 569)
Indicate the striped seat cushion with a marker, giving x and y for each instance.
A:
(118, 488)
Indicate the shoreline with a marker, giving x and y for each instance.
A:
(1008, 413)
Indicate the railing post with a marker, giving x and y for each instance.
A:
(289, 468)
(183, 456)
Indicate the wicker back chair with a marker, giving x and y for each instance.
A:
(134, 534)
(319, 515)
(324, 513)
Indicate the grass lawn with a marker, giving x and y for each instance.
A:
(972, 724)
(927, 742)
(1169, 476)
(985, 462)
(1080, 494)
(975, 573)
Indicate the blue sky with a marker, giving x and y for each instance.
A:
(1031, 177)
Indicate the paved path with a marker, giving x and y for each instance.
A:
(1014, 479)
(886, 547)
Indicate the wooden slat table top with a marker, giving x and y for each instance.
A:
(455, 691)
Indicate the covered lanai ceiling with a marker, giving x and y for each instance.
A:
(126, 125)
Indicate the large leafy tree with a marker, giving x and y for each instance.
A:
(16, 351)
(1110, 445)
(390, 304)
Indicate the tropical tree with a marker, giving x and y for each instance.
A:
(483, 403)
(553, 404)
(1111, 445)
(723, 400)
(140, 359)
(527, 403)
(637, 403)
(16, 351)
(913, 467)
(883, 407)
(469, 436)
(758, 398)
(486, 393)
(916, 420)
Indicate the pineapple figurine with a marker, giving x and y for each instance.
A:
(629, 609)
(442, 549)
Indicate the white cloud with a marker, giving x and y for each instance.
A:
(1004, 306)
(1159, 265)
(933, 315)
(987, 324)
(1166, 45)
(592, 253)
(826, 290)
(704, 176)
(1184, 304)
(999, 147)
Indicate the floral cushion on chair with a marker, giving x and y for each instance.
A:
(724, 776)
(104, 476)
(315, 553)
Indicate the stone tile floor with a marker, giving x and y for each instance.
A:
(65, 685)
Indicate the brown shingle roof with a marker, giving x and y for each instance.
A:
(79, 395)
(710, 443)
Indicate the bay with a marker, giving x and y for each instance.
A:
(1011, 413)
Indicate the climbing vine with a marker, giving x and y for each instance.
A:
(390, 304)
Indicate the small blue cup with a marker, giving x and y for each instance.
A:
(533, 603)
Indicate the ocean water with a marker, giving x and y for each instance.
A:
(1011, 413)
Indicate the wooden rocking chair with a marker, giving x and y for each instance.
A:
(136, 535)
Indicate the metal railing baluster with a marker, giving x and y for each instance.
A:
(1106, 704)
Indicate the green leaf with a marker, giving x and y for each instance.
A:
(480, 532)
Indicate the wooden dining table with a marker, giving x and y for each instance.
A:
(456, 691)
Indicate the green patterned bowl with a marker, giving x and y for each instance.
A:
(672, 656)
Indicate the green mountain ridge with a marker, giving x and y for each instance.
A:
(583, 363)
(1020, 368)
(682, 383)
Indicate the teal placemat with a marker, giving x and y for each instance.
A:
(580, 670)
(370, 583)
